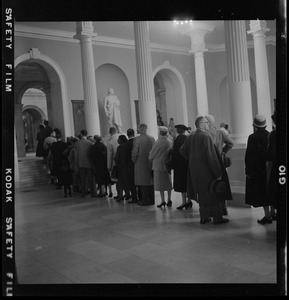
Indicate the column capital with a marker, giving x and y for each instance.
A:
(196, 31)
(258, 28)
(84, 30)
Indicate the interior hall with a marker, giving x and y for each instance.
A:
(160, 71)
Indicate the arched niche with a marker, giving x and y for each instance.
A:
(111, 76)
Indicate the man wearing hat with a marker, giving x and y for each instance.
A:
(255, 168)
(204, 168)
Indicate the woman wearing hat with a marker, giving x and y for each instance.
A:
(162, 178)
(255, 168)
(180, 167)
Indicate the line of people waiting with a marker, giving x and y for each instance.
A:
(140, 165)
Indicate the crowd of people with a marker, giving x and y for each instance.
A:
(138, 166)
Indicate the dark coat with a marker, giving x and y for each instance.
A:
(204, 166)
(98, 156)
(179, 165)
(255, 169)
(60, 163)
(120, 161)
(272, 171)
(129, 165)
(40, 140)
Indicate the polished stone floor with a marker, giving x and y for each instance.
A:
(97, 240)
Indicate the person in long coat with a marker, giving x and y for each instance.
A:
(205, 168)
(129, 166)
(255, 168)
(223, 142)
(112, 145)
(162, 178)
(272, 169)
(84, 165)
(180, 167)
(57, 149)
(142, 145)
(98, 154)
(66, 172)
(40, 140)
(122, 175)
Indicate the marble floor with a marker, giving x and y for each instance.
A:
(99, 241)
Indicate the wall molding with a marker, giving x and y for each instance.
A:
(68, 36)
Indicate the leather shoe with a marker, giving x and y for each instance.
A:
(132, 201)
(221, 221)
(143, 204)
(205, 220)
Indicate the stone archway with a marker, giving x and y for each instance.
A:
(32, 118)
(35, 70)
(170, 93)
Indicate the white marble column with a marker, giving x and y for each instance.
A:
(84, 34)
(147, 103)
(239, 81)
(197, 31)
(258, 29)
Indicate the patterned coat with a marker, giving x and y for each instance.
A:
(204, 166)
(142, 146)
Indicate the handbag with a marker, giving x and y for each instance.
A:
(113, 174)
(226, 160)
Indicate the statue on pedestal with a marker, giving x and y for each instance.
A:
(112, 110)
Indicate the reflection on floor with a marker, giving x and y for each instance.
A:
(97, 240)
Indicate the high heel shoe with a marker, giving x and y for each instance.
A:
(169, 203)
(265, 220)
(184, 205)
(188, 205)
(162, 204)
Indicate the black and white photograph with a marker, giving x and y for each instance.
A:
(144, 148)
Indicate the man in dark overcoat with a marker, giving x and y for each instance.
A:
(129, 166)
(205, 167)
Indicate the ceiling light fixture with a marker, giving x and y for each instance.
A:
(182, 22)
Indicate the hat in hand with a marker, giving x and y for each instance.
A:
(218, 187)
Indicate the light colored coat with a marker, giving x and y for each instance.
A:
(82, 148)
(204, 166)
(142, 146)
(223, 142)
(159, 152)
(112, 145)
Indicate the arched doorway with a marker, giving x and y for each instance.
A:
(170, 94)
(36, 71)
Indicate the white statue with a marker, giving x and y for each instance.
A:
(112, 110)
